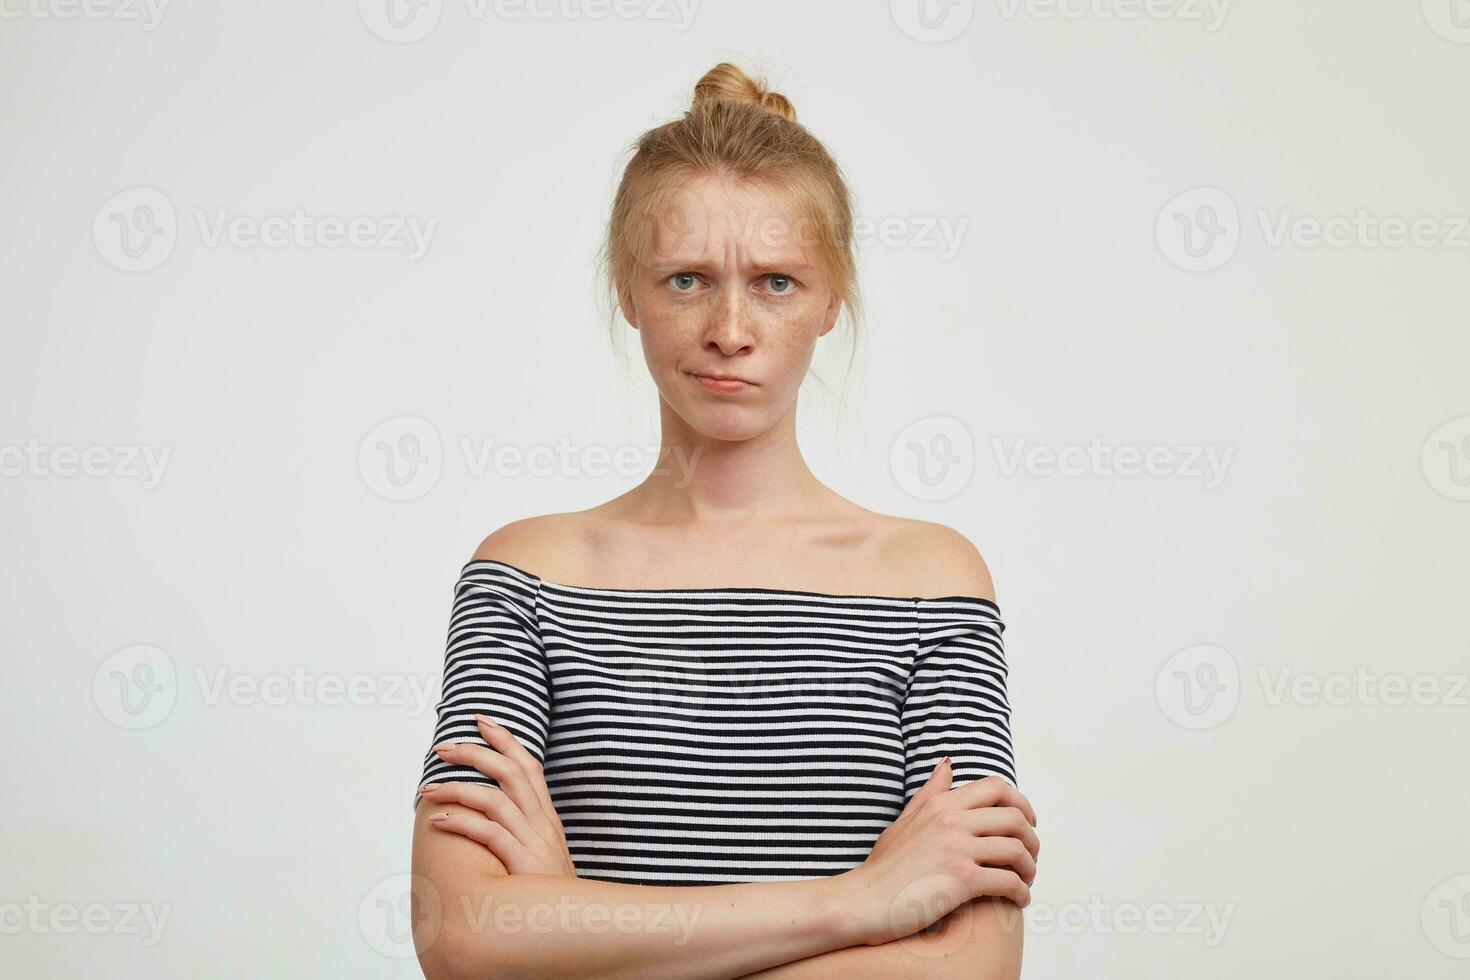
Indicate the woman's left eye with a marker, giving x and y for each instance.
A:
(778, 278)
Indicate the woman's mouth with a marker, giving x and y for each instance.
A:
(724, 384)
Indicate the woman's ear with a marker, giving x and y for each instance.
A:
(625, 304)
(834, 306)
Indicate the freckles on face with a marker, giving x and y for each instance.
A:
(729, 286)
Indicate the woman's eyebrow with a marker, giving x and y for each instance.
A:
(764, 265)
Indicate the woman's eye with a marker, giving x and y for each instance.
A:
(778, 280)
(679, 277)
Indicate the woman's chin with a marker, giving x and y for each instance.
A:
(727, 423)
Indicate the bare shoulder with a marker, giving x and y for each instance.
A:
(547, 545)
(937, 560)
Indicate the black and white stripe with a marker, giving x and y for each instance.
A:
(710, 736)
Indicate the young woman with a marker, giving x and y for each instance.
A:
(728, 724)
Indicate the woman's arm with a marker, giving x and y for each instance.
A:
(980, 940)
(471, 920)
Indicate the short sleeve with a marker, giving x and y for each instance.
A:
(494, 664)
(955, 703)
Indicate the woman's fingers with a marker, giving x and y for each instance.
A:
(1004, 852)
(505, 742)
(489, 800)
(1003, 821)
(511, 852)
(498, 767)
(992, 791)
(1002, 883)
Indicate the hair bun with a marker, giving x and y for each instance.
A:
(726, 81)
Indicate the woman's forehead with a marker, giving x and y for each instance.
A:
(710, 220)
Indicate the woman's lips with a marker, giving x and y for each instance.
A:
(723, 386)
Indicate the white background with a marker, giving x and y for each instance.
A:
(1329, 837)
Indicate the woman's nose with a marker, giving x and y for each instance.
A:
(729, 325)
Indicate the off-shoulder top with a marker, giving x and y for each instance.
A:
(707, 736)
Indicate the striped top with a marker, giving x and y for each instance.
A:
(715, 735)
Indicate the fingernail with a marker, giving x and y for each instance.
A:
(428, 787)
(945, 761)
(438, 817)
(486, 721)
(441, 749)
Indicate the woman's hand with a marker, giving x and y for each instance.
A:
(516, 822)
(946, 848)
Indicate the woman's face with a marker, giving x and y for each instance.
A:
(729, 289)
